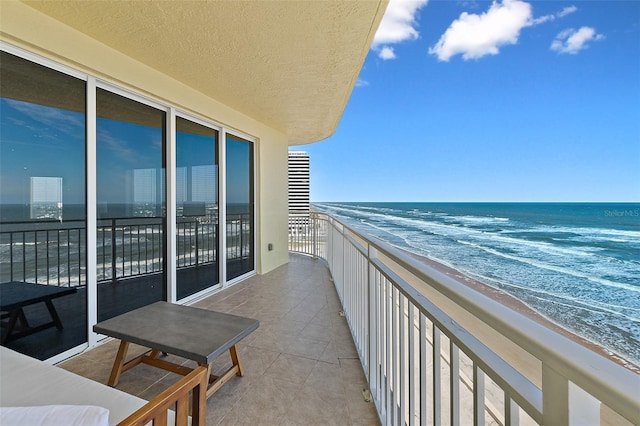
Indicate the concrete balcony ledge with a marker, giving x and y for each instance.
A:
(301, 365)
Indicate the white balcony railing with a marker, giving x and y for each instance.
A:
(424, 367)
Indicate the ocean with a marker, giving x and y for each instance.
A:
(577, 264)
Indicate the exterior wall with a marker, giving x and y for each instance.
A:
(33, 31)
(272, 206)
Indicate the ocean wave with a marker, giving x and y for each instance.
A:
(546, 246)
(541, 251)
(591, 234)
(546, 297)
(478, 219)
(562, 270)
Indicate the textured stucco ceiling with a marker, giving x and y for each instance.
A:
(289, 64)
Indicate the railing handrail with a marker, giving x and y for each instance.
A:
(612, 384)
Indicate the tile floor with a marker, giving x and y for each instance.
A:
(301, 366)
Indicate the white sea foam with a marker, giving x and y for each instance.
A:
(558, 269)
(569, 301)
(479, 219)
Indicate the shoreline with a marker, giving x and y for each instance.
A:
(524, 309)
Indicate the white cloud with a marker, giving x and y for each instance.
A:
(361, 83)
(566, 11)
(398, 25)
(475, 36)
(572, 41)
(387, 53)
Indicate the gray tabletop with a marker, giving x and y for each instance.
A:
(193, 333)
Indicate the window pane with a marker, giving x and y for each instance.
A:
(130, 179)
(240, 226)
(196, 207)
(42, 208)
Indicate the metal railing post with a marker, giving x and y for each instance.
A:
(197, 248)
(113, 251)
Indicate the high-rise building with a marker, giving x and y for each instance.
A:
(298, 186)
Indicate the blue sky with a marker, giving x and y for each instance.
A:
(491, 101)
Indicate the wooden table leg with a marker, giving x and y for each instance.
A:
(118, 363)
(235, 359)
(236, 369)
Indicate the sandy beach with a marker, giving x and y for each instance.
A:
(494, 340)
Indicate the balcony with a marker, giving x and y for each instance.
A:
(351, 314)
(301, 366)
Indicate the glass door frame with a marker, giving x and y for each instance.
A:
(92, 210)
(223, 203)
(90, 268)
(171, 194)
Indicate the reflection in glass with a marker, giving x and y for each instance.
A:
(196, 207)
(130, 179)
(240, 220)
(42, 209)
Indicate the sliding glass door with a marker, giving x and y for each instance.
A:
(43, 220)
(240, 207)
(45, 165)
(131, 210)
(196, 207)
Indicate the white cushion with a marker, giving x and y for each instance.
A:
(27, 382)
(54, 415)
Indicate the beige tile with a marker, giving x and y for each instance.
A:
(314, 406)
(221, 364)
(133, 384)
(291, 368)
(255, 361)
(283, 326)
(317, 332)
(330, 354)
(304, 347)
(90, 369)
(265, 403)
(352, 372)
(326, 376)
(302, 315)
(148, 372)
(154, 390)
(346, 349)
(270, 341)
(360, 411)
(223, 400)
(106, 352)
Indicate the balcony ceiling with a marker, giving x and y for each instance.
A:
(289, 64)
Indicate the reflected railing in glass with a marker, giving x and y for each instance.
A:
(44, 252)
(50, 252)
